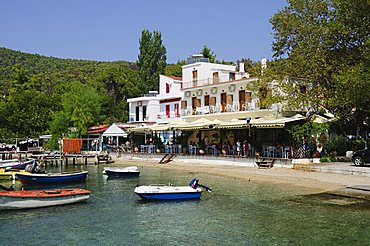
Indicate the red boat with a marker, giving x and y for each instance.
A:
(41, 198)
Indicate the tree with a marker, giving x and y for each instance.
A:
(151, 60)
(322, 48)
(207, 53)
(25, 108)
(174, 69)
(80, 109)
(116, 85)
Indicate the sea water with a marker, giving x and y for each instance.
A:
(235, 213)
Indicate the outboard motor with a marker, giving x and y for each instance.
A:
(34, 168)
(194, 183)
(29, 168)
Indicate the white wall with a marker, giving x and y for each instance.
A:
(175, 87)
(152, 108)
(221, 88)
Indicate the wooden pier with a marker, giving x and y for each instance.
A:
(57, 158)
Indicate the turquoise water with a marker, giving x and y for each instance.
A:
(235, 213)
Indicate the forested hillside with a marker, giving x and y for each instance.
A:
(42, 94)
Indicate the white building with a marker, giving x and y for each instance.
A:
(205, 90)
(157, 108)
(211, 88)
(144, 108)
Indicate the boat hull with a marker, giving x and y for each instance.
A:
(53, 178)
(9, 175)
(132, 171)
(41, 198)
(111, 173)
(168, 192)
(170, 196)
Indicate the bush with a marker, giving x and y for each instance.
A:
(327, 159)
(357, 144)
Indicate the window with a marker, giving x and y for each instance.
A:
(231, 76)
(167, 88)
(215, 78)
(184, 104)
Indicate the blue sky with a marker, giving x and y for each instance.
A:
(110, 30)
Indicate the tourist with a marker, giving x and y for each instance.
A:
(245, 147)
(238, 145)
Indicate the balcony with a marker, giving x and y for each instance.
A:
(163, 115)
(208, 81)
(218, 108)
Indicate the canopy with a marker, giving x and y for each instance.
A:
(114, 131)
(269, 121)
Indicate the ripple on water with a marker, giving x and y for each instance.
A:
(235, 213)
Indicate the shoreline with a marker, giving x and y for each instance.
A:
(306, 182)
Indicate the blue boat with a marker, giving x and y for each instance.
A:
(164, 192)
(52, 178)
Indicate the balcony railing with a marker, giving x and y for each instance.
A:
(165, 116)
(208, 81)
(217, 109)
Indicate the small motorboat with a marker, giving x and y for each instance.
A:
(169, 192)
(121, 172)
(52, 178)
(25, 199)
(16, 164)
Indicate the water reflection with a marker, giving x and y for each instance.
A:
(235, 213)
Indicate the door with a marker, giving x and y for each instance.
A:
(223, 102)
(137, 113)
(195, 77)
(168, 111)
(193, 103)
(212, 101)
(144, 112)
(177, 113)
(206, 100)
(242, 100)
(229, 102)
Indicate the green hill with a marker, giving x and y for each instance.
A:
(35, 90)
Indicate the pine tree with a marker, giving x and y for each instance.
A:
(151, 60)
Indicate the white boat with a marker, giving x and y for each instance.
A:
(131, 171)
(16, 164)
(169, 192)
(25, 199)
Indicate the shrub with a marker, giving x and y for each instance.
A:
(327, 159)
(357, 144)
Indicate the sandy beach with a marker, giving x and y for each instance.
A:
(304, 181)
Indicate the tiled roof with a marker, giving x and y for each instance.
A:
(173, 77)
